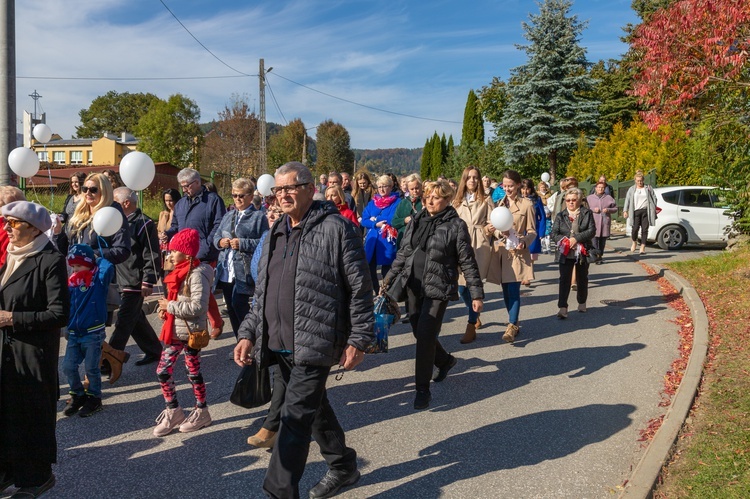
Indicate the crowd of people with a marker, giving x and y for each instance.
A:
(298, 271)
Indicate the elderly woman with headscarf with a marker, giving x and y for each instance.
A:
(34, 305)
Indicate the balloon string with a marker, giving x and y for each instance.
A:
(148, 239)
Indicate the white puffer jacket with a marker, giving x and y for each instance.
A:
(192, 302)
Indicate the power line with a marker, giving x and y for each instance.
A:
(145, 78)
(363, 105)
(199, 42)
(275, 102)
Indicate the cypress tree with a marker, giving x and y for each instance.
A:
(473, 127)
(436, 164)
(424, 169)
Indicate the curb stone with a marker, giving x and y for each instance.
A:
(644, 477)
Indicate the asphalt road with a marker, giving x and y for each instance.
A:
(556, 414)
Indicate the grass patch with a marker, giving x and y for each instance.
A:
(712, 455)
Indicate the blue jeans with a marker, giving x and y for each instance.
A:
(86, 349)
(512, 299)
(465, 295)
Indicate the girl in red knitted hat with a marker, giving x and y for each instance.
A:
(184, 309)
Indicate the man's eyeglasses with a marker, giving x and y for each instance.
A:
(93, 190)
(287, 189)
(14, 223)
(236, 196)
(185, 186)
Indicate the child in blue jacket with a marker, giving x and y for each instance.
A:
(88, 284)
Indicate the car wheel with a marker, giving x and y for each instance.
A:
(672, 237)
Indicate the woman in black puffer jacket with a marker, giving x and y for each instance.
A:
(573, 230)
(435, 244)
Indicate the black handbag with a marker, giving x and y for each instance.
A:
(252, 388)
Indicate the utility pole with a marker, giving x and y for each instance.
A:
(262, 97)
(7, 86)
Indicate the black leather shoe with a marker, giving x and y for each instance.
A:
(30, 492)
(443, 371)
(332, 482)
(422, 400)
(148, 359)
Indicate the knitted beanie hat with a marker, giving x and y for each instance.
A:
(81, 254)
(186, 241)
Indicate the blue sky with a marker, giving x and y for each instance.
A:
(410, 57)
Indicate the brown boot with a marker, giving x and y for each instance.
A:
(470, 334)
(510, 333)
(263, 439)
(116, 359)
(478, 325)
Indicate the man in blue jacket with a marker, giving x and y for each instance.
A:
(201, 210)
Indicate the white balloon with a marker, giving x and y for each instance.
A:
(42, 133)
(501, 218)
(107, 221)
(23, 161)
(545, 177)
(265, 182)
(137, 170)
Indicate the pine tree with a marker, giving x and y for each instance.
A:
(451, 150)
(424, 169)
(547, 106)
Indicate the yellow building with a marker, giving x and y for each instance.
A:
(107, 150)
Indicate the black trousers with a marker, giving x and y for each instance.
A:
(238, 305)
(273, 418)
(599, 243)
(566, 278)
(131, 321)
(384, 269)
(640, 219)
(305, 412)
(426, 318)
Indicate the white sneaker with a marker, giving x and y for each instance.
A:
(199, 418)
(168, 420)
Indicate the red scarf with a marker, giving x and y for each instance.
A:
(382, 202)
(81, 278)
(173, 282)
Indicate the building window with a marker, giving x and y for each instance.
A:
(76, 157)
(43, 155)
(89, 157)
(58, 157)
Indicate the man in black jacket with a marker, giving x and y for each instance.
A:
(326, 320)
(136, 277)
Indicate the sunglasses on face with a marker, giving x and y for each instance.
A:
(92, 190)
(14, 223)
(239, 196)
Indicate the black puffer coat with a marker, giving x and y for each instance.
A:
(563, 228)
(332, 292)
(448, 248)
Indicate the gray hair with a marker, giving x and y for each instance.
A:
(414, 177)
(337, 175)
(188, 175)
(303, 175)
(574, 190)
(243, 184)
(125, 193)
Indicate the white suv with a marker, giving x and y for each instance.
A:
(694, 214)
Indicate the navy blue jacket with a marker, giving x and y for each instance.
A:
(88, 305)
(202, 213)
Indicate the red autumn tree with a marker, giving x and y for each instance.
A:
(685, 52)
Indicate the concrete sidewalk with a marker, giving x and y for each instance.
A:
(558, 413)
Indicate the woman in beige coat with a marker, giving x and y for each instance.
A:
(474, 206)
(511, 259)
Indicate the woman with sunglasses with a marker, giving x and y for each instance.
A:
(573, 230)
(97, 194)
(75, 195)
(169, 198)
(237, 237)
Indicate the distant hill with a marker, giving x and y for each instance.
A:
(398, 161)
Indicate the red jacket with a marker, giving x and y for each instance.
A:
(346, 211)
